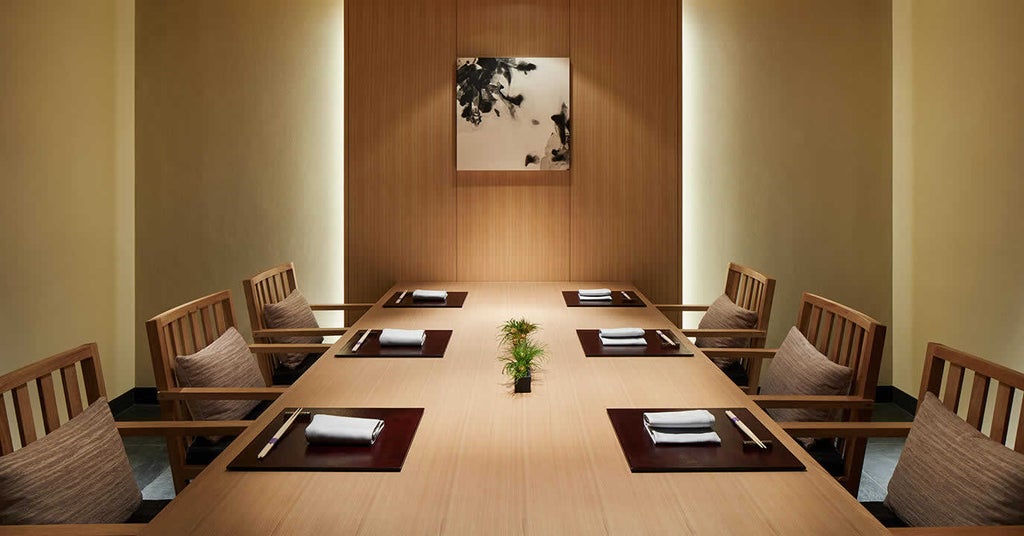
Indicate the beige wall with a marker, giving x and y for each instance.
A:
(787, 151)
(66, 159)
(959, 180)
(239, 150)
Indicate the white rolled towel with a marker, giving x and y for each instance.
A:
(622, 333)
(662, 436)
(688, 419)
(402, 337)
(338, 430)
(429, 295)
(634, 341)
(594, 298)
(594, 292)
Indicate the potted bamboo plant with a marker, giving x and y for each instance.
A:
(519, 352)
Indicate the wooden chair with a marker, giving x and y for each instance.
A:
(185, 330)
(849, 338)
(78, 371)
(943, 361)
(750, 290)
(272, 286)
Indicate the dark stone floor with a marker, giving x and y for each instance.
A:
(148, 455)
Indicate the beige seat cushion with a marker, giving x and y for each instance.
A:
(800, 369)
(226, 362)
(949, 474)
(79, 473)
(292, 312)
(724, 314)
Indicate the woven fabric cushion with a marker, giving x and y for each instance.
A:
(800, 369)
(950, 474)
(226, 362)
(724, 314)
(79, 473)
(292, 312)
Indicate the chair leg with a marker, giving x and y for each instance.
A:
(853, 454)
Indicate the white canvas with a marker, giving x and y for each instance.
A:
(512, 114)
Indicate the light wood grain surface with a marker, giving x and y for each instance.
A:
(399, 144)
(626, 139)
(513, 225)
(486, 461)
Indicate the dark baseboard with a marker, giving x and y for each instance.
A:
(136, 395)
(894, 395)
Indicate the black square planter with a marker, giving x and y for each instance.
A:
(523, 384)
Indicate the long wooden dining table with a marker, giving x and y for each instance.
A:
(487, 461)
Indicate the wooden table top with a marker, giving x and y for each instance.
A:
(485, 461)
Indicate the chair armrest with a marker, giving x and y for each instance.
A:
(288, 348)
(1007, 530)
(181, 428)
(122, 529)
(681, 307)
(740, 353)
(812, 401)
(221, 393)
(340, 306)
(846, 429)
(292, 332)
(733, 333)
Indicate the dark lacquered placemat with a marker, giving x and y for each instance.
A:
(434, 346)
(454, 300)
(293, 453)
(592, 347)
(572, 299)
(643, 456)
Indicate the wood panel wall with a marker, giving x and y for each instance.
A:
(615, 215)
(513, 225)
(627, 144)
(399, 144)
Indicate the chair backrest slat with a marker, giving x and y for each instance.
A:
(92, 376)
(48, 402)
(1001, 413)
(1020, 435)
(954, 385)
(6, 443)
(942, 361)
(39, 377)
(748, 289)
(23, 410)
(72, 393)
(979, 399)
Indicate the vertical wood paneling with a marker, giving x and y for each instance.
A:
(503, 28)
(627, 144)
(399, 152)
(513, 225)
(615, 215)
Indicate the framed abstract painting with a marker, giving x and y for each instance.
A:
(512, 114)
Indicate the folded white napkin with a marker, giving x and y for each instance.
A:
(622, 333)
(594, 298)
(338, 430)
(694, 418)
(635, 341)
(430, 295)
(663, 436)
(594, 292)
(402, 337)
